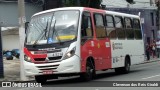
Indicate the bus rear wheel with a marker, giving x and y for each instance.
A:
(41, 79)
(125, 69)
(89, 74)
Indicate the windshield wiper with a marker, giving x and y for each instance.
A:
(57, 35)
(44, 32)
(55, 31)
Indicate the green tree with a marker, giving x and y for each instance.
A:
(90, 3)
(130, 1)
(69, 3)
(83, 3)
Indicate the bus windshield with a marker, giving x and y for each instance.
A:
(53, 27)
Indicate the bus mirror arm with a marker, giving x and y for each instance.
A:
(85, 22)
(26, 26)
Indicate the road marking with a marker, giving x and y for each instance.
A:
(152, 76)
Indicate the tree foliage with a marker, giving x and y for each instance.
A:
(83, 3)
(91, 3)
(69, 3)
(130, 1)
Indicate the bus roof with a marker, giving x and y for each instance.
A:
(56, 9)
(89, 9)
(121, 14)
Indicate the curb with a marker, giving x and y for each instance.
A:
(149, 61)
(13, 80)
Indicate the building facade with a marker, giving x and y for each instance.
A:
(158, 18)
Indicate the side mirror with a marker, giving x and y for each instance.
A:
(26, 27)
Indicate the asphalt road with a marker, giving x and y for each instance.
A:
(149, 72)
(142, 72)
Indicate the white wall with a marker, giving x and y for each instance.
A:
(10, 42)
(9, 18)
(9, 13)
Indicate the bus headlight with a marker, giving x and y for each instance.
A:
(70, 53)
(26, 58)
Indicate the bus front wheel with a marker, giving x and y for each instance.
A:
(88, 75)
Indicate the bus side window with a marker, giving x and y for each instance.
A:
(86, 26)
(128, 27)
(111, 32)
(100, 28)
(119, 27)
(137, 29)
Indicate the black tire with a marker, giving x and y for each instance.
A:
(118, 70)
(9, 58)
(17, 56)
(41, 79)
(89, 74)
(125, 69)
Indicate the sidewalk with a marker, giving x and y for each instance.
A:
(12, 69)
(151, 60)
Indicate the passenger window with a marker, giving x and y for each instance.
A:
(137, 29)
(109, 20)
(128, 27)
(119, 27)
(118, 22)
(128, 23)
(100, 28)
(111, 31)
(86, 26)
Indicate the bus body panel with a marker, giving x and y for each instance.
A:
(71, 65)
(93, 48)
(122, 48)
(106, 53)
(103, 50)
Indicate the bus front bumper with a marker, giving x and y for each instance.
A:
(70, 65)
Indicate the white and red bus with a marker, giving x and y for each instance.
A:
(80, 41)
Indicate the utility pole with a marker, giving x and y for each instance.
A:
(1, 54)
(22, 20)
(158, 19)
(158, 16)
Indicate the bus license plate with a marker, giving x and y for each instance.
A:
(47, 72)
(57, 54)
